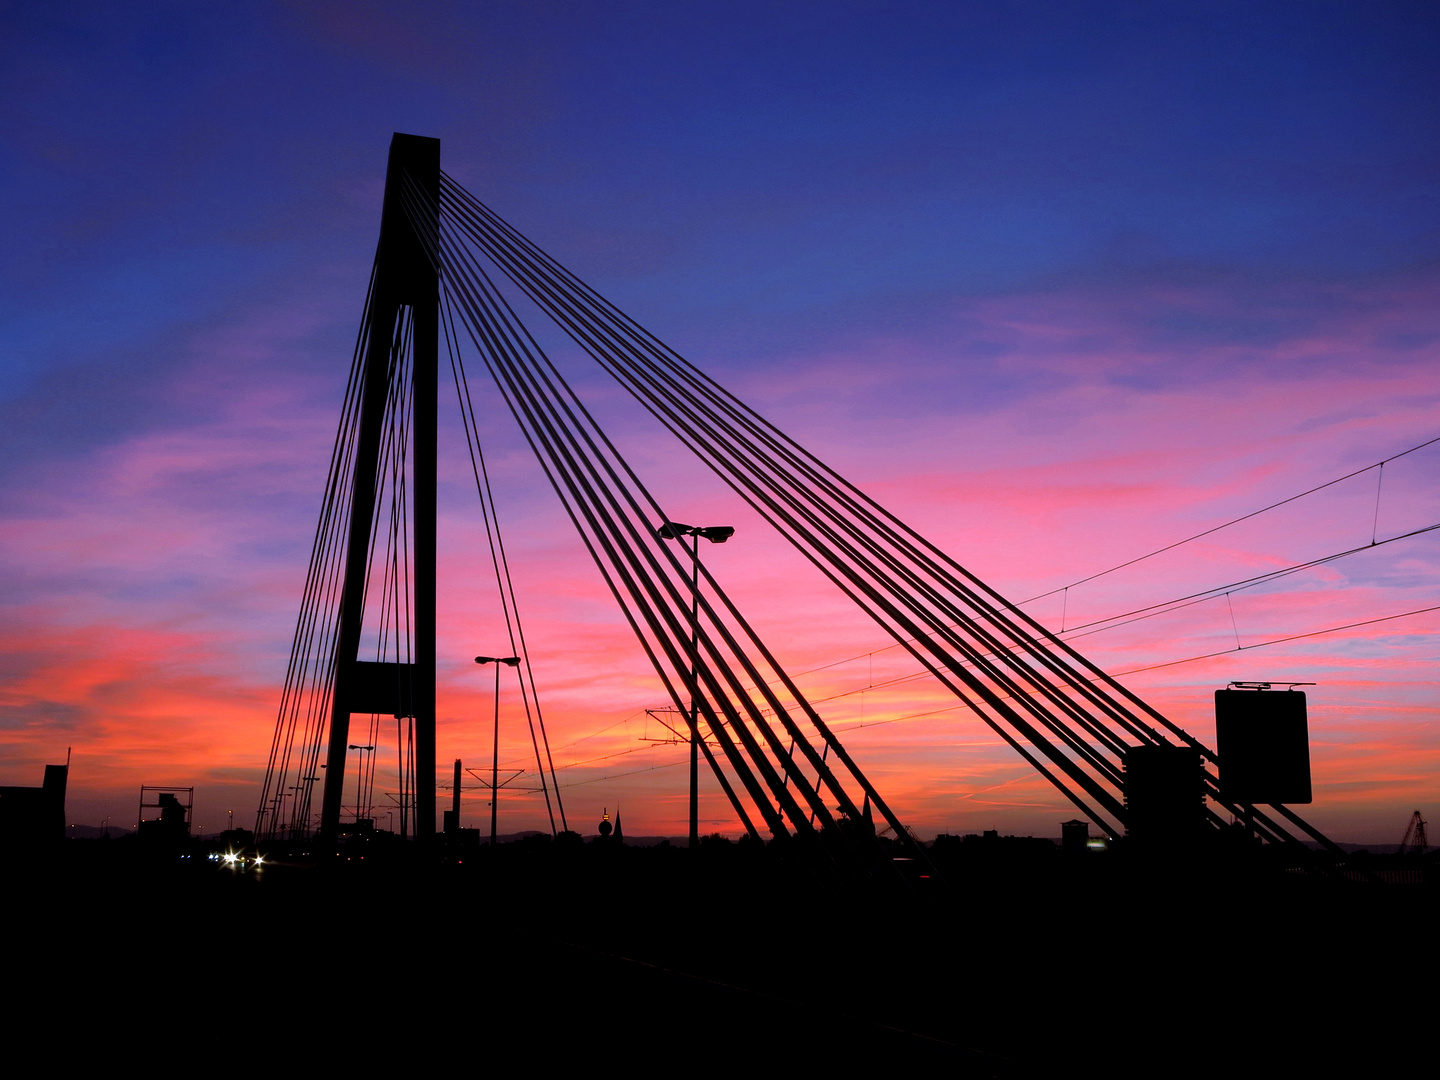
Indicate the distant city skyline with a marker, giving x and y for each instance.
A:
(1057, 284)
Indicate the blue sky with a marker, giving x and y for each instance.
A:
(944, 243)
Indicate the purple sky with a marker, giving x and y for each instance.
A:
(1058, 283)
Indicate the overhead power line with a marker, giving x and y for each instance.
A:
(1112, 622)
(1243, 517)
(1279, 640)
(1168, 547)
(855, 725)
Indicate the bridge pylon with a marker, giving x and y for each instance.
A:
(404, 304)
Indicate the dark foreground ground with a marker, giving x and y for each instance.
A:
(660, 961)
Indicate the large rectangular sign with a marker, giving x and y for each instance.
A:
(1263, 740)
(382, 688)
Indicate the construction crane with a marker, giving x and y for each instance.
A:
(1414, 841)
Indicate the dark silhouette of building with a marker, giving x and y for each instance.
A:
(1164, 795)
(173, 824)
(457, 838)
(32, 816)
(1074, 836)
(452, 816)
(605, 828)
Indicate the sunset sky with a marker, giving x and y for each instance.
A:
(1057, 283)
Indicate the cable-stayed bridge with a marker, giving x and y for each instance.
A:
(365, 639)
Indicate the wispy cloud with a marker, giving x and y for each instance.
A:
(151, 585)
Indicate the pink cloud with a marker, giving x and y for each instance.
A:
(154, 584)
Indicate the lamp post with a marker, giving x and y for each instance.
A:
(512, 661)
(716, 534)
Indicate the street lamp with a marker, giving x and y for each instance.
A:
(716, 534)
(512, 661)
